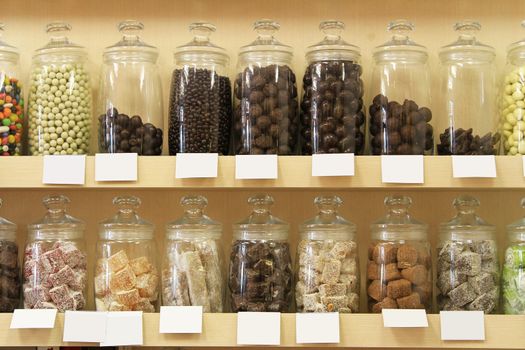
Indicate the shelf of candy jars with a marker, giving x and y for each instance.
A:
(357, 331)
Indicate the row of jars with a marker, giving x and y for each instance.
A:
(266, 117)
(260, 277)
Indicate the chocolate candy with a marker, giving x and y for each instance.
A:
(463, 142)
(467, 276)
(11, 116)
(200, 112)
(400, 128)
(192, 275)
(332, 112)
(54, 276)
(123, 284)
(328, 277)
(118, 133)
(266, 118)
(260, 277)
(9, 276)
(399, 276)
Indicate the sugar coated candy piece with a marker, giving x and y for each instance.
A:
(141, 265)
(51, 261)
(353, 302)
(337, 289)
(342, 249)
(115, 306)
(407, 256)
(399, 288)
(64, 276)
(372, 271)
(377, 290)
(128, 297)
(147, 285)
(349, 266)
(462, 294)
(122, 280)
(72, 256)
(417, 274)
(334, 303)
(469, 263)
(384, 253)
(485, 302)
(386, 303)
(331, 271)
(118, 261)
(412, 301)
(310, 301)
(391, 272)
(144, 305)
(482, 283)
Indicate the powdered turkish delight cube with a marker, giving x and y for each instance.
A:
(45, 305)
(342, 249)
(72, 255)
(331, 271)
(468, 263)
(35, 294)
(30, 268)
(481, 283)
(59, 294)
(128, 297)
(399, 288)
(100, 304)
(486, 249)
(66, 275)
(79, 282)
(449, 279)
(450, 251)
(332, 289)
(390, 272)
(147, 285)
(352, 302)
(417, 274)
(485, 302)
(144, 305)
(310, 301)
(349, 266)
(79, 299)
(51, 261)
(116, 306)
(351, 282)
(334, 303)
(141, 265)
(462, 294)
(122, 280)
(101, 285)
(406, 256)
(118, 261)
(310, 278)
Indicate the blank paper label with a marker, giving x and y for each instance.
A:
(340, 164)
(44, 318)
(180, 319)
(393, 318)
(123, 328)
(473, 166)
(403, 169)
(85, 326)
(258, 328)
(462, 325)
(317, 328)
(64, 170)
(256, 167)
(196, 165)
(116, 167)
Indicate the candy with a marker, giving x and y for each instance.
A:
(411, 301)
(384, 253)
(377, 290)
(386, 303)
(123, 280)
(128, 298)
(118, 261)
(407, 256)
(147, 285)
(63, 277)
(513, 279)
(331, 271)
(417, 274)
(398, 288)
(11, 116)
(140, 265)
(462, 294)
(337, 289)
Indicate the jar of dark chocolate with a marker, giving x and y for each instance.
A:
(467, 265)
(260, 275)
(332, 111)
(400, 112)
(327, 278)
(130, 109)
(399, 270)
(468, 125)
(200, 104)
(10, 271)
(266, 118)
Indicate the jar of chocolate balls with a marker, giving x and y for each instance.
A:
(55, 260)
(511, 100)
(467, 265)
(400, 114)
(399, 270)
(266, 116)
(200, 106)
(327, 268)
(126, 276)
(468, 125)
(192, 266)
(59, 107)
(332, 111)
(9, 268)
(12, 119)
(513, 273)
(130, 109)
(260, 275)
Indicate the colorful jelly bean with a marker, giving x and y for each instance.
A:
(11, 116)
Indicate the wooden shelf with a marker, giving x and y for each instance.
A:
(357, 331)
(294, 172)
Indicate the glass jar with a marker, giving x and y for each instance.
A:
(130, 116)
(511, 100)
(399, 114)
(200, 97)
(266, 116)
(332, 111)
(327, 278)
(467, 267)
(513, 274)
(399, 271)
(191, 272)
(260, 277)
(55, 260)
(59, 108)
(12, 120)
(9, 269)
(468, 93)
(126, 274)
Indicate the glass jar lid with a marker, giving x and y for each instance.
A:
(516, 230)
(194, 223)
(332, 47)
(6, 50)
(466, 224)
(57, 223)
(467, 47)
(131, 46)
(201, 48)
(59, 42)
(261, 224)
(400, 47)
(398, 224)
(126, 224)
(7, 228)
(266, 43)
(328, 224)
(516, 49)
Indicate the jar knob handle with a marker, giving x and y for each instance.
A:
(266, 27)
(467, 29)
(328, 204)
(332, 29)
(194, 205)
(1, 202)
(58, 31)
(56, 205)
(261, 203)
(466, 204)
(202, 31)
(398, 204)
(130, 29)
(126, 204)
(400, 28)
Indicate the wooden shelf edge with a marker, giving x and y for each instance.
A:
(357, 331)
(294, 173)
